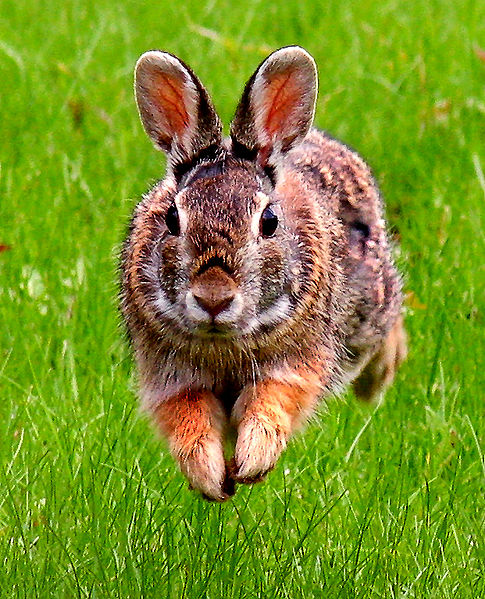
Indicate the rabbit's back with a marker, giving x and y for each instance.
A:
(343, 184)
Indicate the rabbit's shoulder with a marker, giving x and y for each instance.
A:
(341, 181)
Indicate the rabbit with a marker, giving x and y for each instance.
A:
(257, 277)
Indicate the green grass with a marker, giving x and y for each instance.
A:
(368, 502)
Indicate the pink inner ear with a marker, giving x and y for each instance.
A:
(167, 95)
(281, 102)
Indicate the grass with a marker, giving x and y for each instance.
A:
(370, 501)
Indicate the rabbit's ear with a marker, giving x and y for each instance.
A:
(174, 106)
(277, 107)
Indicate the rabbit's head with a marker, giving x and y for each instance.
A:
(224, 246)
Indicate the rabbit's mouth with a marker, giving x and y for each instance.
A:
(222, 327)
(217, 331)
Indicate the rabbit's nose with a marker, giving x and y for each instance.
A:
(214, 290)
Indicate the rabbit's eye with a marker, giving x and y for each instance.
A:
(269, 222)
(172, 220)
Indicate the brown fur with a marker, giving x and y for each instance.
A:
(232, 328)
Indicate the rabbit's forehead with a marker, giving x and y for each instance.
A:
(232, 197)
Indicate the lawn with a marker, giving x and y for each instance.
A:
(370, 501)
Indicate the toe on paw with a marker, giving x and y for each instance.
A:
(252, 480)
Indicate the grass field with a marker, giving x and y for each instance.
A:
(370, 501)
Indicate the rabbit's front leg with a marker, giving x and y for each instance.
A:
(193, 422)
(265, 415)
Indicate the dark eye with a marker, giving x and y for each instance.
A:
(172, 220)
(269, 222)
(361, 228)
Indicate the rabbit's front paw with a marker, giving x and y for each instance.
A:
(193, 422)
(258, 447)
(205, 468)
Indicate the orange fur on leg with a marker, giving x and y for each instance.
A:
(193, 422)
(266, 416)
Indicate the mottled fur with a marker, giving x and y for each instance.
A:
(234, 329)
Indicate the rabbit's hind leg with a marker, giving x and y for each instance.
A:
(380, 370)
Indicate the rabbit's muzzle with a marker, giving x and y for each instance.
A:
(214, 300)
(214, 290)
